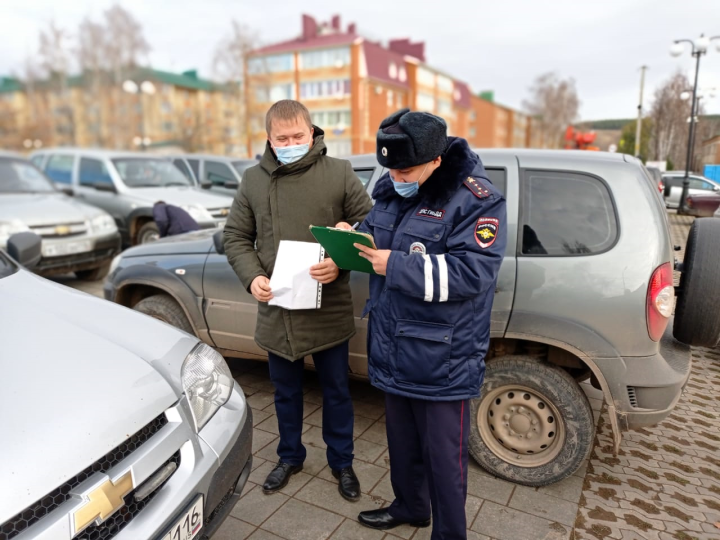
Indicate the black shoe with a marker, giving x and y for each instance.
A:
(349, 485)
(382, 520)
(280, 476)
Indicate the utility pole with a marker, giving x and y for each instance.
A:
(638, 128)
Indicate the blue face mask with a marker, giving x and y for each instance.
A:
(291, 154)
(408, 189)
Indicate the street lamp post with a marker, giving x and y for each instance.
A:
(145, 87)
(699, 47)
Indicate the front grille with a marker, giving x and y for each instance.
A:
(33, 513)
(114, 524)
(60, 230)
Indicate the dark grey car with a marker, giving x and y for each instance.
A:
(585, 291)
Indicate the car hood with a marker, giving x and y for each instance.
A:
(81, 376)
(38, 209)
(181, 196)
(193, 242)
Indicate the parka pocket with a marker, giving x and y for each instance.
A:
(423, 353)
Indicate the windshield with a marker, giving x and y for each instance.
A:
(149, 172)
(241, 166)
(17, 176)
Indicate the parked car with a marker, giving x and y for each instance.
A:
(127, 184)
(216, 173)
(575, 299)
(656, 175)
(703, 204)
(76, 237)
(149, 435)
(674, 186)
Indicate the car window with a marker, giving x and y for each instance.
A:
(18, 176)
(498, 177)
(195, 166)
(149, 172)
(364, 175)
(566, 214)
(180, 164)
(93, 171)
(218, 173)
(59, 168)
(37, 160)
(242, 166)
(697, 183)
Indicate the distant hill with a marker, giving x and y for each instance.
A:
(619, 123)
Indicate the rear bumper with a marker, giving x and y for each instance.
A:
(104, 250)
(646, 389)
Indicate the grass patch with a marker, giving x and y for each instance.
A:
(649, 474)
(637, 522)
(675, 478)
(673, 449)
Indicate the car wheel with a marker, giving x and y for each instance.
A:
(148, 233)
(697, 320)
(532, 424)
(94, 274)
(165, 309)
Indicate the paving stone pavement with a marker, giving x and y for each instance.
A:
(663, 485)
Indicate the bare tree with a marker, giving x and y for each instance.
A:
(92, 56)
(229, 65)
(555, 104)
(669, 114)
(54, 55)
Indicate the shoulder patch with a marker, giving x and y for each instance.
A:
(477, 188)
(486, 231)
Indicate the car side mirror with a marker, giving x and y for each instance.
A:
(67, 190)
(716, 188)
(25, 248)
(104, 186)
(219, 242)
(666, 192)
(206, 184)
(232, 184)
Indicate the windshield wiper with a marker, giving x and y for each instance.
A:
(176, 184)
(144, 185)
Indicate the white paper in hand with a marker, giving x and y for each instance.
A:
(291, 284)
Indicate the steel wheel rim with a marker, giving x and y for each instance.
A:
(150, 236)
(520, 426)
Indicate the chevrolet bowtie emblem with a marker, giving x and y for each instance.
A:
(103, 501)
(62, 230)
(224, 212)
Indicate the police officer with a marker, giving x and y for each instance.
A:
(439, 226)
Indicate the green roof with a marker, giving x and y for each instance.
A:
(10, 84)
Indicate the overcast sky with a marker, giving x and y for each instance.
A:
(497, 45)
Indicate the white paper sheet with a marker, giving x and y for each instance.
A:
(291, 284)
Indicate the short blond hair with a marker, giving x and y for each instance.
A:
(287, 110)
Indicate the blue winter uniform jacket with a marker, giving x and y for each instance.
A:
(429, 326)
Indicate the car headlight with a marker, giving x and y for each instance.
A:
(198, 213)
(8, 228)
(103, 223)
(207, 382)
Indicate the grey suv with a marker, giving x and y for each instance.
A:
(217, 173)
(126, 185)
(115, 426)
(76, 237)
(585, 292)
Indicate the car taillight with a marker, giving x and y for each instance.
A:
(689, 202)
(661, 186)
(660, 296)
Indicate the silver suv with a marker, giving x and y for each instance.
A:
(217, 173)
(585, 291)
(126, 185)
(76, 237)
(114, 425)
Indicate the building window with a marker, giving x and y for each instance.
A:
(425, 102)
(402, 74)
(472, 115)
(445, 84)
(166, 107)
(444, 107)
(276, 92)
(271, 64)
(168, 127)
(393, 70)
(332, 119)
(339, 148)
(325, 89)
(472, 131)
(336, 58)
(425, 77)
(390, 97)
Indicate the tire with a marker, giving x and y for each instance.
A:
(518, 393)
(697, 313)
(94, 274)
(167, 310)
(148, 233)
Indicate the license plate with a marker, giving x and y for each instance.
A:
(221, 224)
(189, 524)
(65, 248)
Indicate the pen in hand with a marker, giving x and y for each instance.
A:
(355, 226)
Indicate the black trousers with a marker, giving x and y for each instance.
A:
(428, 446)
(338, 419)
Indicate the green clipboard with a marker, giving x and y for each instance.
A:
(338, 244)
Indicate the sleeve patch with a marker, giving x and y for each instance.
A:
(477, 188)
(486, 231)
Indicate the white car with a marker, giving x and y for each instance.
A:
(674, 185)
